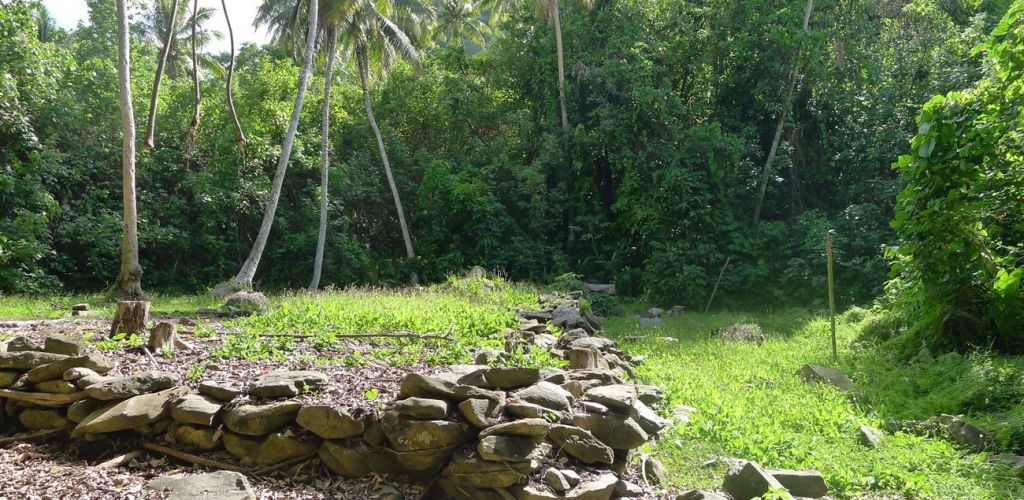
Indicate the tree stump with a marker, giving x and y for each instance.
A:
(587, 359)
(131, 317)
(163, 336)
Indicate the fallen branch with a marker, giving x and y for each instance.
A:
(149, 354)
(20, 438)
(118, 460)
(282, 465)
(188, 457)
(44, 399)
(389, 335)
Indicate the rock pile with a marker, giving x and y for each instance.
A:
(482, 430)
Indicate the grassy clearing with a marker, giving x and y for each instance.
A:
(19, 307)
(750, 405)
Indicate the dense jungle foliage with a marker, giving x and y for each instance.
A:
(672, 108)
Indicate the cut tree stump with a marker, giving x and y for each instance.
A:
(163, 336)
(131, 317)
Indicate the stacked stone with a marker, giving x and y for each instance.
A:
(49, 378)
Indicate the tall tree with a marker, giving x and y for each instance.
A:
(374, 37)
(239, 134)
(161, 63)
(129, 280)
(193, 127)
(248, 270)
(157, 25)
(794, 75)
(459, 22)
(46, 23)
(550, 9)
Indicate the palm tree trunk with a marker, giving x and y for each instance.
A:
(151, 122)
(248, 270)
(193, 128)
(364, 73)
(325, 129)
(129, 280)
(561, 68)
(239, 134)
(766, 173)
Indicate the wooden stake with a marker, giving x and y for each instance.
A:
(719, 280)
(831, 293)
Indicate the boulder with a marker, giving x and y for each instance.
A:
(654, 312)
(8, 378)
(260, 420)
(548, 395)
(501, 378)
(283, 446)
(244, 448)
(197, 437)
(822, 374)
(601, 488)
(556, 480)
(581, 444)
(481, 413)
(749, 481)
(27, 360)
(55, 387)
(600, 288)
(701, 495)
(869, 436)
(534, 428)
(965, 433)
(63, 344)
(22, 344)
(414, 435)
(653, 472)
(422, 408)
(195, 409)
(248, 302)
(80, 410)
(599, 343)
(90, 379)
(568, 316)
(416, 385)
(580, 387)
(676, 311)
(512, 449)
(618, 396)
(287, 384)
(615, 430)
(134, 385)
(37, 419)
(648, 419)
(806, 484)
(651, 323)
(522, 409)
(75, 374)
(329, 422)
(571, 336)
(95, 362)
(587, 359)
(626, 489)
(478, 473)
(221, 391)
(220, 485)
(129, 414)
(355, 459)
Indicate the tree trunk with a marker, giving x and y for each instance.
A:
(131, 316)
(239, 134)
(193, 127)
(129, 280)
(151, 122)
(561, 69)
(364, 73)
(248, 270)
(796, 203)
(766, 173)
(325, 130)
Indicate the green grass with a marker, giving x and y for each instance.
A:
(750, 405)
(19, 307)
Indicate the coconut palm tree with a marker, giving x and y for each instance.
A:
(46, 23)
(239, 134)
(129, 280)
(245, 275)
(550, 9)
(159, 24)
(459, 22)
(161, 63)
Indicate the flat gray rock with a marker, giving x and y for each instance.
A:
(63, 344)
(329, 423)
(581, 444)
(422, 408)
(134, 385)
(26, 360)
(749, 481)
(501, 378)
(826, 375)
(534, 428)
(220, 485)
(260, 420)
(807, 484)
(287, 384)
(130, 413)
(94, 361)
(195, 409)
(512, 449)
(221, 391)
(548, 395)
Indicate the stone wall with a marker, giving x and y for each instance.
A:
(473, 431)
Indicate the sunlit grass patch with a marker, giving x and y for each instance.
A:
(20, 307)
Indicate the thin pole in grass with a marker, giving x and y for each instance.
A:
(831, 291)
(719, 280)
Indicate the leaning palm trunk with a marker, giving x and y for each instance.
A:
(129, 280)
(239, 134)
(193, 128)
(151, 122)
(766, 173)
(321, 239)
(248, 270)
(364, 73)
(561, 68)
